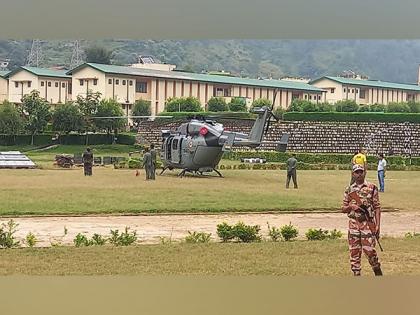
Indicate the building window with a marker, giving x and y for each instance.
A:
(42, 83)
(117, 82)
(219, 92)
(344, 90)
(95, 81)
(131, 82)
(81, 82)
(69, 87)
(123, 82)
(141, 87)
(63, 85)
(332, 90)
(319, 97)
(109, 81)
(357, 91)
(49, 84)
(306, 96)
(362, 93)
(56, 84)
(29, 84)
(352, 90)
(310, 97)
(16, 84)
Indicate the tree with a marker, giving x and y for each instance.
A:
(217, 104)
(67, 118)
(260, 102)
(88, 106)
(141, 108)
(11, 122)
(37, 113)
(98, 54)
(237, 104)
(183, 104)
(109, 108)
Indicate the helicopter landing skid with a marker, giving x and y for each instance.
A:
(220, 174)
(163, 170)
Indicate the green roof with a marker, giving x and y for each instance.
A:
(3, 73)
(372, 83)
(199, 77)
(42, 72)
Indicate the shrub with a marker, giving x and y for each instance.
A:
(30, 239)
(81, 240)
(237, 104)
(124, 239)
(414, 106)
(135, 163)
(325, 107)
(278, 112)
(296, 105)
(142, 108)
(7, 234)
(377, 108)
(398, 108)
(183, 104)
(217, 104)
(334, 116)
(260, 102)
(274, 233)
(412, 235)
(246, 233)
(225, 232)
(346, 106)
(289, 232)
(308, 106)
(320, 234)
(98, 240)
(197, 237)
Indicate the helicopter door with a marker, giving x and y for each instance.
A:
(176, 150)
(168, 149)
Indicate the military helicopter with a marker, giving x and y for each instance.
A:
(198, 145)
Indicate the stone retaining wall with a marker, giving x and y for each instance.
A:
(320, 137)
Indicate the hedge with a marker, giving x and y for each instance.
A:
(8, 140)
(70, 139)
(358, 116)
(313, 158)
(218, 114)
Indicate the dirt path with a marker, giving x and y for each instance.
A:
(150, 228)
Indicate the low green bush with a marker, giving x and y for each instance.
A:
(289, 232)
(356, 117)
(320, 234)
(225, 232)
(274, 233)
(197, 237)
(7, 234)
(124, 239)
(246, 233)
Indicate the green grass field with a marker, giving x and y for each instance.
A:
(401, 257)
(61, 191)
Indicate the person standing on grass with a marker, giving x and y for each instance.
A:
(360, 159)
(291, 171)
(87, 158)
(381, 172)
(148, 164)
(153, 154)
(361, 203)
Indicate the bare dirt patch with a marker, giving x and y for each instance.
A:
(150, 228)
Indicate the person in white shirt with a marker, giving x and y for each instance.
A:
(381, 172)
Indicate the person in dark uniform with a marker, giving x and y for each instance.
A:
(87, 162)
(153, 154)
(148, 164)
(291, 171)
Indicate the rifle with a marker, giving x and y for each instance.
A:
(353, 195)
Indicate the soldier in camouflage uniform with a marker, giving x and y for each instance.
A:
(364, 221)
(87, 162)
(153, 154)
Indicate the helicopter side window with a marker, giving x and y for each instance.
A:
(174, 144)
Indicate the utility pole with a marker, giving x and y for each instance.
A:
(76, 57)
(35, 56)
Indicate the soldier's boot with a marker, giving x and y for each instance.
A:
(377, 271)
(356, 273)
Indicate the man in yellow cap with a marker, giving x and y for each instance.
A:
(361, 203)
(359, 158)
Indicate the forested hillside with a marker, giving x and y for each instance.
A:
(391, 60)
